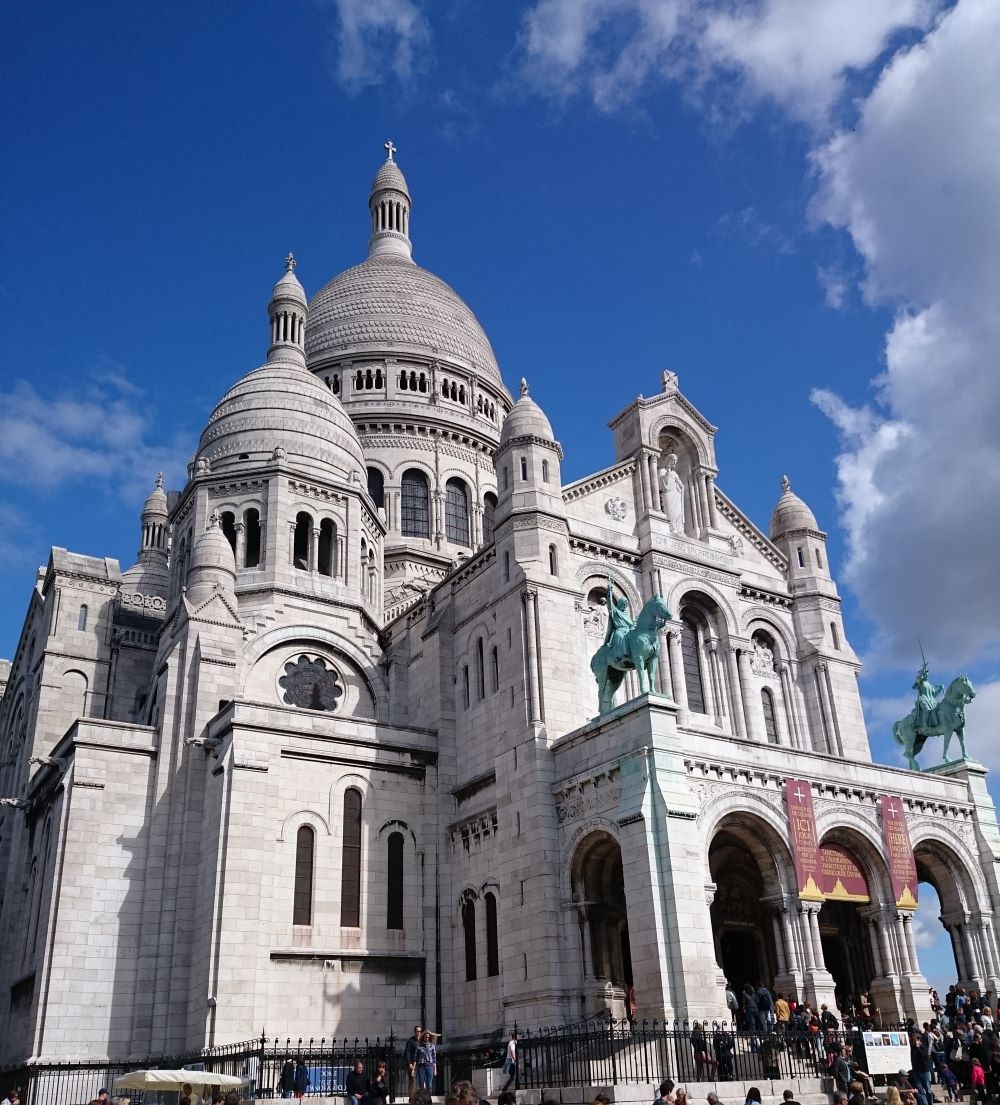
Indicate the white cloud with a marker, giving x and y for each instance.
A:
(917, 186)
(377, 39)
(835, 285)
(101, 431)
(796, 54)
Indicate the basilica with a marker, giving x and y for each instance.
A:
(329, 757)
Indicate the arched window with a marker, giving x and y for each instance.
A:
(553, 561)
(456, 512)
(819, 560)
(302, 540)
(81, 618)
(305, 849)
(834, 636)
(524, 469)
(545, 471)
(489, 516)
(394, 906)
(800, 556)
(770, 724)
(495, 668)
(506, 477)
(251, 528)
(506, 567)
(480, 670)
(327, 544)
(692, 666)
(469, 927)
(350, 881)
(465, 685)
(228, 521)
(414, 504)
(492, 944)
(376, 486)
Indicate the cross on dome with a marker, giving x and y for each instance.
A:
(524, 386)
(159, 480)
(786, 484)
(290, 262)
(389, 148)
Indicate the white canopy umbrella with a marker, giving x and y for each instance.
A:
(174, 1079)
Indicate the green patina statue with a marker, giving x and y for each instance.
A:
(934, 716)
(628, 646)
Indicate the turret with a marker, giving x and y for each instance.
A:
(795, 531)
(149, 575)
(212, 567)
(527, 462)
(288, 312)
(389, 205)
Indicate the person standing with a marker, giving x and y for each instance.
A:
(510, 1063)
(301, 1080)
(286, 1081)
(410, 1059)
(426, 1062)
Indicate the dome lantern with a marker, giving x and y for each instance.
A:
(287, 311)
(389, 204)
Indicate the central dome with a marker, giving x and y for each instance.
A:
(389, 304)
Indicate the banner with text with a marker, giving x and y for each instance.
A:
(902, 865)
(805, 848)
(825, 871)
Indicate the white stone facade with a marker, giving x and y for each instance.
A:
(325, 760)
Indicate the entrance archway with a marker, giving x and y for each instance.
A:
(845, 934)
(745, 871)
(599, 892)
(972, 950)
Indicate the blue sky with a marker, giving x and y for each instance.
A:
(794, 207)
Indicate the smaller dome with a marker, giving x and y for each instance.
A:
(790, 513)
(390, 178)
(156, 503)
(281, 405)
(526, 419)
(212, 562)
(289, 287)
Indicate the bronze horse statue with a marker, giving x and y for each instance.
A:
(944, 719)
(640, 651)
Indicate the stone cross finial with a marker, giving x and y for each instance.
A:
(290, 262)
(786, 484)
(159, 481)
(390, 148)
(524, 386)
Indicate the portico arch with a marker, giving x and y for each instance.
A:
(750, 869)
(598, 888)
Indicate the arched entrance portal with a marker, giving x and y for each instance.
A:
(845, 932)
(599, 893)
(747, 889)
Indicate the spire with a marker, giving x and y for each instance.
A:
(154, 524)
(287, 311)
(389, 204)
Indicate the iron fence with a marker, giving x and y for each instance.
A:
(592, 1053)
(612, 1052)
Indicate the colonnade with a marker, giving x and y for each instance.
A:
(701, 512)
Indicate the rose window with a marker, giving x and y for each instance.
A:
(310, 684)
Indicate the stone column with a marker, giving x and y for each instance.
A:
(905, 963)
(784, 673)
(975, 972)
(530, 597)
(640, 463)
(664, 682)
(314, 551)
(751, 703)
(713, 517)
(826, 710)
(819, 982)
(291, 544)
(677, 683)
(241, 545)
(718, 687)
(583, 912)
(805, 937)
(654, 481)
(735, 695)
(869, 916)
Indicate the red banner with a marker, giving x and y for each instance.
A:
(823, 872)
(805, 849)
(902, 866)
(840, 876)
